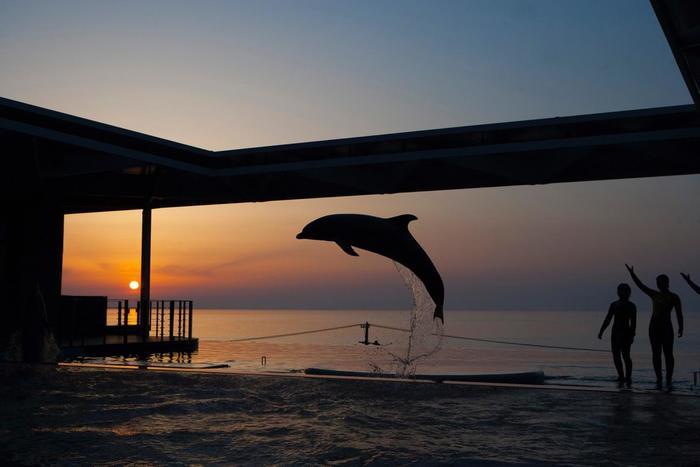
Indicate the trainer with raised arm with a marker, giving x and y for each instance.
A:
(660, 327)
(692, 284)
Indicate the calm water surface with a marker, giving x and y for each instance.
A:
(219, 329)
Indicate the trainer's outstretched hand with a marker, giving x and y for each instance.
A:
(629, 268)
(685, 276)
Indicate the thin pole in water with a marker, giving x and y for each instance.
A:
(366, 328)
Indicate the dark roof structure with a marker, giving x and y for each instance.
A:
(680, 21)
(89, 166)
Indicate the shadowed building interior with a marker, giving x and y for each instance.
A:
(56, 164)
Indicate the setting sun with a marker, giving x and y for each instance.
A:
(133, 285)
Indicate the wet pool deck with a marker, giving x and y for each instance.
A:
(301, 375)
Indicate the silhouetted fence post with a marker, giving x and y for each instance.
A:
(179, 319)
(172, 317)
(126, 320)
(189, 324)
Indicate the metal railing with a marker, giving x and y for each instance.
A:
(169, 319)
(122, 313)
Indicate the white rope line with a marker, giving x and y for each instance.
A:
(274, 336)
(493, 341)
(450, 336)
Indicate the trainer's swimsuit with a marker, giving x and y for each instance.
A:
(624, 312)
(660, 326)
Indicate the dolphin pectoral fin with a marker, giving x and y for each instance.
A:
(403, 219)
(347, 249)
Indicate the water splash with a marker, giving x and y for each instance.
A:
(424, 337)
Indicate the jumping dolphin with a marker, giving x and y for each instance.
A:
(387, 237)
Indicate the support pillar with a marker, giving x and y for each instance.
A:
(145, 318)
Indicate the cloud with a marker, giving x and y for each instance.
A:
(212, 268)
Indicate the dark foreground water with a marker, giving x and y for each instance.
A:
(69, 416)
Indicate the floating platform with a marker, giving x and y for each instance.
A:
(154, 365)
(132, 345)
(528, 377)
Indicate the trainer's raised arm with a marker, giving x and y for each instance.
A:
(647, 290)
(692, 284)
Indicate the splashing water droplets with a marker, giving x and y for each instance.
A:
(425, 335)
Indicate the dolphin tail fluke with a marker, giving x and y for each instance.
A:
(438, 313)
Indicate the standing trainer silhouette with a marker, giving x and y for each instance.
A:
(660, 326)
(623, 332)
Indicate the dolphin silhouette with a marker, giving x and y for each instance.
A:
(386, 237)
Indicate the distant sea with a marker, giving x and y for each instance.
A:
(220, 330)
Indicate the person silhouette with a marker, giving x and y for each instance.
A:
(692, 284)
(624, 328)
(660, 326)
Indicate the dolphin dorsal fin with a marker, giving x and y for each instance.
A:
(347, 248)
(402, 220)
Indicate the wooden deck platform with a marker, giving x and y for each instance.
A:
(132, 345)
(95, 326)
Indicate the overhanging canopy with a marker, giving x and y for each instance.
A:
(89, 166)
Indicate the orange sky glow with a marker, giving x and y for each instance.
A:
(559, 246)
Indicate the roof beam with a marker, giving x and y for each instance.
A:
(680, 21)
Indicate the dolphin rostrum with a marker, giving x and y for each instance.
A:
(387, 237)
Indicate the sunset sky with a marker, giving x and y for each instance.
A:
(224, 75)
